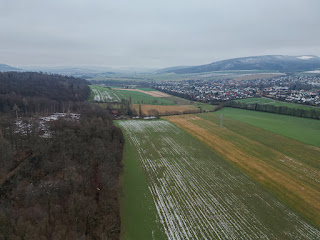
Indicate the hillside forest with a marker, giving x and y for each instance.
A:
(64, 183)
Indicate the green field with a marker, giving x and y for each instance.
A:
(139, 217)
(302, 129)
(206, 107)
(153, 76)
(276, 103)
(103, 94)
(196, 193)
(139, 97)
(284, 166)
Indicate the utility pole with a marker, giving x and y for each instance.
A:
(140, 111)
(221, 120)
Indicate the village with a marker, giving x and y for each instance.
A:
(297, 89)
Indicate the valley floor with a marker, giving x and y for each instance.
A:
(179, 186)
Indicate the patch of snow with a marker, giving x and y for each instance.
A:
(191, 200)
(152, 117)
(25, 128)
(315, 71)
(305, 57)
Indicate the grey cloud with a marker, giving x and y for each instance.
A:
(149, 33)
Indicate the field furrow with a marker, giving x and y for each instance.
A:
(198, 195)
(292, 175)
(102, 94)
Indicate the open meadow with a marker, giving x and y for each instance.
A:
(276, 103)
(284, 166)
(176, 187)
(104, 94)
(148, 91)
(143, 97)
(164, 76)
(302, 129)
(148, 98)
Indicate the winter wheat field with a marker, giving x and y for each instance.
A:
(176, 187)
(101, 94)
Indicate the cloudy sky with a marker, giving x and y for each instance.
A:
(153, 33)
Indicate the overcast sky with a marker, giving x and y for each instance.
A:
(154, 33)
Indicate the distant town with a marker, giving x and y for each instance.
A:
(296, 89)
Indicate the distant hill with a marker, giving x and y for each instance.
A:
(69, 71)
(280, 63)
(172, 69)
(6, 68)
(80, 71)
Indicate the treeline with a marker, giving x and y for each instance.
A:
(51, 86)
(155, 113)
(70, 189)
(34, 92)
(29, 106)
(275, 109)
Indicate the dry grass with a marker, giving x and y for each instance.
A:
(281, 171)
(149, 110)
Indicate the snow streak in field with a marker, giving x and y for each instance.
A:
(104, 96)
(200, 196)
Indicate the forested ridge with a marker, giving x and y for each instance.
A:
(35, 92)
(52, 86)
(68, 183)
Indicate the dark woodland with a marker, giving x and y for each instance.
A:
(34, 92)
(65, 186)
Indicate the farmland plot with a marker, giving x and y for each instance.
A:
(104, 95)
(141, 97)
(305, 130)
(150, 92)
(198, 195)
(268, 101)
(288, 168)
